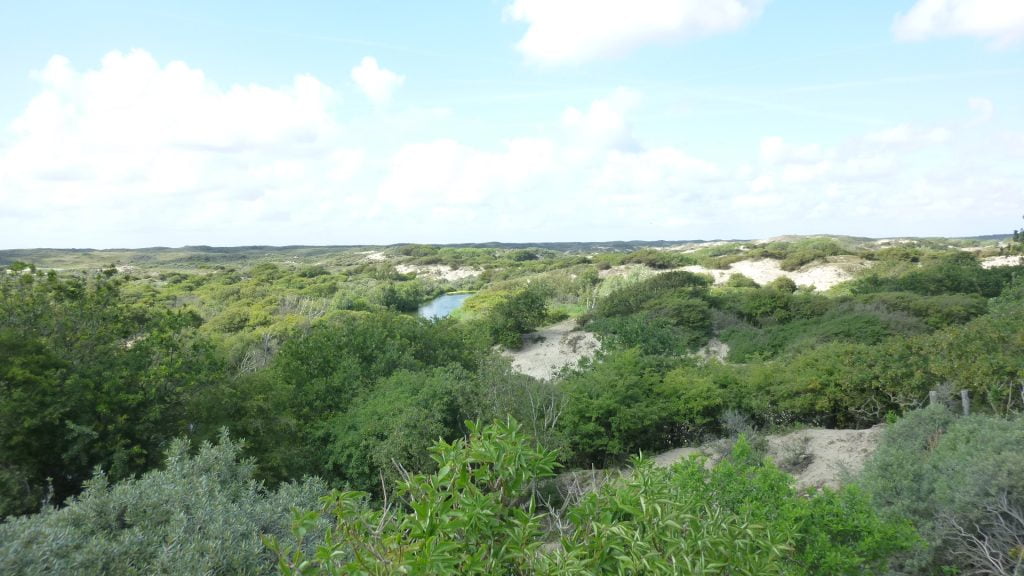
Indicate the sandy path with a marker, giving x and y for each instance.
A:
(548, 350)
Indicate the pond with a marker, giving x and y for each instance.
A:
(442, 306)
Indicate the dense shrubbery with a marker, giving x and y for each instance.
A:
(954, 273)
(791, 255)
(87, 380)
(959, 481)
(478, 515)
(285, 410)
(663, 314)
(314, 363)
(516, 314)
(201, 514)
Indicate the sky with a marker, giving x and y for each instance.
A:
(134, 124)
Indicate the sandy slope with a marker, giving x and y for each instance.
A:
(551, 348)
(996, 261)
(821, 276)
(438, 271)
(816, 457)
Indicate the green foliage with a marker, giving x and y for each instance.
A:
(783, 284)
(87, 379)
(662, 314)
(659, 259)
(936, 311)
(19, 266)
(634, 298)
(518, 313)
(792, 255)
(809, 250)
(477, 515)
(406, 296)
(201, 514)
(622, 405)
(959, 481)
(741, 281)
(843, 323)
(286, 409)
(986, 355)
(392, 428)
(953, 273)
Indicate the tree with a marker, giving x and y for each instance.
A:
(518, 313)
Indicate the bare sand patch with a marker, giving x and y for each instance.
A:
(763, 271)
(552, 348)
(997, 261)
(375, 256)
(439, 271)
(816, 457)
(825, 457)
(626, 270)
(716, 349)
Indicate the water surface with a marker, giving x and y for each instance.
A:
(442, 305)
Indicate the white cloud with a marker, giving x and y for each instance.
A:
(907, 135)
(774, 150)
(446, 173)
(895, 135)
(134, 147)
(982, 107)
(136, 152)
(1000, 21)
(575, 31)
(378, 84)
(604, 123)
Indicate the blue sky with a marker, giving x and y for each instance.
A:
(228, 123)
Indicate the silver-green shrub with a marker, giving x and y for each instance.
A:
(200, 514)
(961, 482)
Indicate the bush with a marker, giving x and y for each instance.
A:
(202, 514)
(473, 516)
(956, 273)
(477, 515)
(634, 297)
(961, 482)
(515, 315)
(618, 408)
(391, 429)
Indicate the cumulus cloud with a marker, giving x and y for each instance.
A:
(134, 144)
(575, 31)
(906, 178)
(999, 21)
(378, 84)
(604, 122)
(136, 152)
(445, 172)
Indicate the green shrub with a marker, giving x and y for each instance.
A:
(960, 481)
(518, 313)
(473, 516)
(634, 297)
(202, 514)
(478, 515)
(618, 408)
(936, 311)
(955, 273)
(391, 429)
(741, 281)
